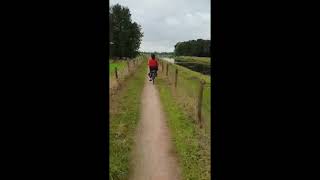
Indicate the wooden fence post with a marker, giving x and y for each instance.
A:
(200, 103)
(116, 71)
(176, 79)
(128, 66)
(167, 67)
(162, 66)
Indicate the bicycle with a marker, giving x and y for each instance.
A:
(153, 74)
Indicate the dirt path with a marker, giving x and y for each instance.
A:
(153, 156)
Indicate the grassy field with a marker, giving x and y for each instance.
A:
(123, 71)
(124, 115)
(202, 60)
(192, 144)
(120, 64)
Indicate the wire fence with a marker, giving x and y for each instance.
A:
(118, 75)
(192, 91)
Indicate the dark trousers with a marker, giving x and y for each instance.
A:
(152, 68)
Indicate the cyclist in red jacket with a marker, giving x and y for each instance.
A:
(153, 65)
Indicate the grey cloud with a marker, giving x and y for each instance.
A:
(165, 22)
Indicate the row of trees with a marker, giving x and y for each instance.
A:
(200, 48)
(125, 35)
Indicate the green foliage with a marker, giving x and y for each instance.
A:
(125, 35)
(200, 48)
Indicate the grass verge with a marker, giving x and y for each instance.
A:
(124, 115)
(120, 64)
(192, 144)
(188, 84)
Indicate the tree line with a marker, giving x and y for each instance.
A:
(125, 35)
(160, 54)
(199, 47)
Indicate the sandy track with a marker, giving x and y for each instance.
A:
(153, 156)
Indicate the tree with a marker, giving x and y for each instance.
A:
(197, 47)
(125, 35)
(134, 39)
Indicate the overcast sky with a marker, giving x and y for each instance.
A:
(166, 22)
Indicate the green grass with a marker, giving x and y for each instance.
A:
(187, 91)
(120, 64)
(192, 145)
(124, 115)
(201, 60)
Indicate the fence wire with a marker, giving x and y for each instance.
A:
(187, 91)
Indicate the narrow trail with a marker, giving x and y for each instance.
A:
(153, 156)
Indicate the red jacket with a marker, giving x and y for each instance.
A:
(152, 63)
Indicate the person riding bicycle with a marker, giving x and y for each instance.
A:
(153, 65)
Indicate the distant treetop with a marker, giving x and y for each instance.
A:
(199, 47)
